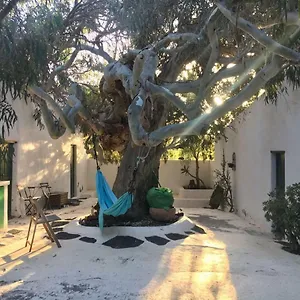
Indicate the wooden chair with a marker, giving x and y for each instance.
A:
(46, 191)
(25, 195)
(40, 218)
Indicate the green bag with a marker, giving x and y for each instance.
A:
(160, 198)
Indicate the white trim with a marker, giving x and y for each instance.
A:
(5, 219)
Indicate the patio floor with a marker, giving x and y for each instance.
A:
(231, 260)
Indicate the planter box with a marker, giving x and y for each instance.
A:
(192, 198)
(195, 194)
(4, 205)
(58, 199)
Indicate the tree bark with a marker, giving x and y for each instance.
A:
(7, 9)
(146, 177)
(154, 116)
(155, 113)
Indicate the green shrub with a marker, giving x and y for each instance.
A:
(283, 210)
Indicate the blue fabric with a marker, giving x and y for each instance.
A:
(108, 202)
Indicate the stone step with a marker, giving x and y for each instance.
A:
(196, 194)
(190, 202)
(89, 194)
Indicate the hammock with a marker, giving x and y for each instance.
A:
(108, 202)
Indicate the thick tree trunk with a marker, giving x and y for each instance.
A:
(146, 177)
(154, 116)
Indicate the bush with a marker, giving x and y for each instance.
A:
(283, 209)
(223, 181)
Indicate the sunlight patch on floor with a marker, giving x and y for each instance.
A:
(193, 272)
(21, 255)
(11, 286)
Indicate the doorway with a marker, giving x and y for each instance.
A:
(6, 169)
(73, 171)
(278, 170)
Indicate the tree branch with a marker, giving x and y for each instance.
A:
(290, 18)
(175, 37)
(61, 68)
(97, 51)
(138, 133)
(7, 9)
(129, 56)
(67, 115)
(39, 92)
(144, 68)
(149, 67)
(117, 71)
(188, 173)
(196, 126)
(162, 91)
(78, 108)
(136, 73)
(174, 144)
(183, 87)
(186, 37)
(259, 35)
(69, 63)
(214, 44)
(55, 129)
(260, 61)
(239, 69)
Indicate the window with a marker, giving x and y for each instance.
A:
(278, 170)
(73, 171)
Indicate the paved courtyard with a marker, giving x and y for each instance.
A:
(230, 260)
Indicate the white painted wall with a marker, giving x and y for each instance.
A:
(38, 158)
(265, 128)
(171, 177)
(169, 174)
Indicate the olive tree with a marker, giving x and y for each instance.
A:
(141, 49)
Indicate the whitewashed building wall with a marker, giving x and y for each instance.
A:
(263, 129)
(169, 174)
(38, 158)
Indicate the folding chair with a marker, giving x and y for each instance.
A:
(40, 218)
(24, 194)
(46, 190)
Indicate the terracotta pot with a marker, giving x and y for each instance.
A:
(160, 214)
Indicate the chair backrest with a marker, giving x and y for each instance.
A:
(46, 189)
(23, 193)
(38, 204)
(32, 190)
(28, 193)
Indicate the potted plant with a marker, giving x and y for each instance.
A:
(195, 149)
(223, 194)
